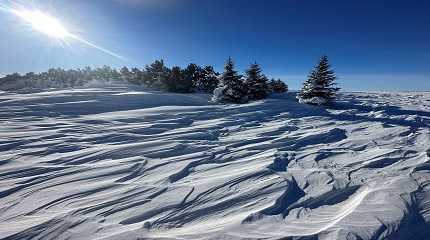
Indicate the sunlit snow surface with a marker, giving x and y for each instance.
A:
(117, 163)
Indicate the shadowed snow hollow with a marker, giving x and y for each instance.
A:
(115, 163)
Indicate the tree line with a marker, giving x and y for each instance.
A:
(157, 76)
(227, 87)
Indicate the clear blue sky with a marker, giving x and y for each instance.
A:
(373, 45)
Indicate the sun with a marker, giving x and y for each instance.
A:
(43, 23)
(51, 26)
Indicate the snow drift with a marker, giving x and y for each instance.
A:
(115, 163)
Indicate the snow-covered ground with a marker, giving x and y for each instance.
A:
(117, 163)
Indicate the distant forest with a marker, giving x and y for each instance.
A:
(156, 76)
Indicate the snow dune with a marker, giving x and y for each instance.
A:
(120, 163)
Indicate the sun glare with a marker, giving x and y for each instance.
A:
(43, 23)
(51, 26)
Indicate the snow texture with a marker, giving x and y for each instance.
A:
(313, 101)
(120, 163)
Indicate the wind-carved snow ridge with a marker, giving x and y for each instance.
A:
(120, 163)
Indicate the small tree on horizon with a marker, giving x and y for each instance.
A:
(231, 87)
(256, 82)
(278, 86)
(320, 88)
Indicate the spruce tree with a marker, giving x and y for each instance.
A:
(256, 82)
(137, 76)
(231, 87)
(209, 80)
(174, 80)
(157, 74)
(126, 75)
(192, 75)
(320, 88)
(277, 86)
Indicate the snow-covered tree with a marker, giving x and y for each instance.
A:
(231, 87)
(256, 82)
(320, 88)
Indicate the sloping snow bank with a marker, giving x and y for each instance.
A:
(121, 163)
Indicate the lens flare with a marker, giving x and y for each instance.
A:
(51, 26)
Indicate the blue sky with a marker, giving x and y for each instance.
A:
(372, 45)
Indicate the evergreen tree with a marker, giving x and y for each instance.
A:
(278, 86)
(256, 82)
(137, 76)
(192, 75)
(320, 87)
(87, 74)
(126, 75)
(156, 75)
(231, 87)
(175, 77)
(209, 80)
(179, 81)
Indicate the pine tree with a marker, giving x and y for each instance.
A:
(175, 77)
(180, 81)
(126, 75)
(192, 75)
(256, 82)
(277, 86)
(157, 74)
(231, 87)
(138, 76)
(209, 80)
(320, 88)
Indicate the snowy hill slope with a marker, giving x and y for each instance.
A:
(111, 163)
